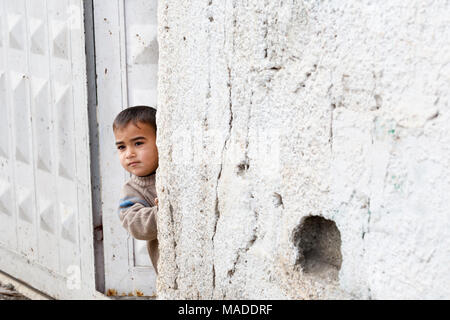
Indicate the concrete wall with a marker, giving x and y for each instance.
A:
(304, 149)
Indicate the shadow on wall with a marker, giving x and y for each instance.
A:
(318, 241)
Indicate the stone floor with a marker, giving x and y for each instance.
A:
(8, 292)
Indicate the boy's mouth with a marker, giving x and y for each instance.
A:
(133, 164)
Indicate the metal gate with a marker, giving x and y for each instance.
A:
(127, 62)
(60, 179)
(45, 197)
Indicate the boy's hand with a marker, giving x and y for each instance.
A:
(156, 201)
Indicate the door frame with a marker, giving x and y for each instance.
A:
(120, 275)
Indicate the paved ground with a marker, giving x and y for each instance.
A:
(8, 292)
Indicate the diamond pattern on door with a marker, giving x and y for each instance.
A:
(21, 117)
(68, 223)
(4, 149)
(25, 204)
(42, 122)
(63, 106)
(47, 215)
(16, 31)
(5, 198)
(45, 204)
(38, 39)
(60, 39)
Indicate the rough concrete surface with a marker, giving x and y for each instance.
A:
(270, 112)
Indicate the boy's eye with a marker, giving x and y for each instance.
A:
(120, 147)
(139, 143)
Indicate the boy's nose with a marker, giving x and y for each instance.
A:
(131, 154)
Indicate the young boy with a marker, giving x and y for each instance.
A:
(135, 133)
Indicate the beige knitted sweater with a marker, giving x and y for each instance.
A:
(137, 211)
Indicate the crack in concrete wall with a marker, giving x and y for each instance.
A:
(358, 125)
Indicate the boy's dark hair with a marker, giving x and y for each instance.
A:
(135, 114)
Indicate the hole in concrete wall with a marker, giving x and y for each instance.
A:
(278, 200)
(318, 241)
(242, 167)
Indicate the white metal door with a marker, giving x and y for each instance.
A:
(127, 62)
(45, 196)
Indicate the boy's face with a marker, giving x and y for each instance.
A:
(137, 148)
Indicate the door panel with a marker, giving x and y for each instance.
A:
(45, 201)
(126, 63)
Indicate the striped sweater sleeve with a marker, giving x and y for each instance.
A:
(137, 216)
